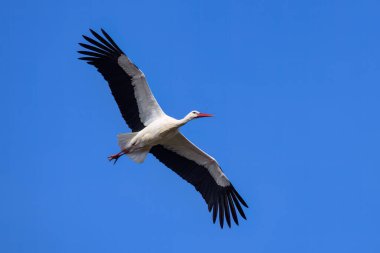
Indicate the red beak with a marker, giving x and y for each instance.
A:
(202, 115)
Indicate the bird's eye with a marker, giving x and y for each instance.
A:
(194, 112)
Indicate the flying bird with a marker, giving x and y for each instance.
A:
(157, 133)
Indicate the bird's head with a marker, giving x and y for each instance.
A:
(196, 114)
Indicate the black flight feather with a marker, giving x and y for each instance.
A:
(104, 56)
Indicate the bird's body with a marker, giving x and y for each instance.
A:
(157, 133)
(139, 143)
(161, 131)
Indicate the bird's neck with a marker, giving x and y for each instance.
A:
(183, 121)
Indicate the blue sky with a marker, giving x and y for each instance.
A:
(295, 89)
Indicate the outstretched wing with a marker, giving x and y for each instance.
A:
(126, 81)
(202, 171)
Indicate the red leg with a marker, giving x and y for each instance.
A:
(117, 156)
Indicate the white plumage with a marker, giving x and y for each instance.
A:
(157, 133)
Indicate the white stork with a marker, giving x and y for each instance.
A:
(157, 133)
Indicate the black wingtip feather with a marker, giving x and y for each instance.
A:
(221, 211)
(227, 211)
(95, 49)
(233, 211)
(98, 44)
(89, 53)
(209, 207)
(111, 40)
(237, 204)
(86, 58)
(104, 41)
(214, 212)
(239, 197)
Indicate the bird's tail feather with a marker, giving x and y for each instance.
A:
(124, 139)
(139, 155)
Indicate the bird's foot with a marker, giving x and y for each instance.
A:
(115, 157)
